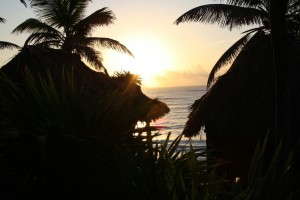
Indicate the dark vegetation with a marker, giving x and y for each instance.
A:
(68, 131)
(258, 95)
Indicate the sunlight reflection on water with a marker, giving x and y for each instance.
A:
(178, 99)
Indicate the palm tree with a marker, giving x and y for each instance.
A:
(7, 45)
(239, 107)
(286, 61)
(62, 25)
(236, 14)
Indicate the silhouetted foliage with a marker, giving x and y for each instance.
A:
(62, 25)
(63, 126)
(240, 107)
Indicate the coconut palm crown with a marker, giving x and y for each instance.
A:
(237, 14)
(62, 25)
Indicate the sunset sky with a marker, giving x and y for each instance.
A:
(165, 54)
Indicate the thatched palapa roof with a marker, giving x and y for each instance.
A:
(40, 61)
(241, 102)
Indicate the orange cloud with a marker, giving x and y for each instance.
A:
(171, 78)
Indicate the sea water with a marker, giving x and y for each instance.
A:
(179, 99)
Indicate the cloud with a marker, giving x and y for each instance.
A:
(172, 78)
(219, 43)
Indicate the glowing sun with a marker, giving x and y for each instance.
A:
(151, 58)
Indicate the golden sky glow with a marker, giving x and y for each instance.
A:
(165, 54)
(151, 58)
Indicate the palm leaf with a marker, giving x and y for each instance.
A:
(101, 17)
(34, 25)
(92, 56)
(228, 57)
(60, 13)
(36, 2)
(8, 45)
(248, 3)
(23, 2)
(2, 20)
(49, 44)
(252, 30)
(76, 10)
(49, 11)
(51, 39)
(258, 37)
(224, 15)
(40, 3)
(108, 43)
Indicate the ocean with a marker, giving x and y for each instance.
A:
(178, 99)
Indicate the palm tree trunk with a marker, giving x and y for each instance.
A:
(286, 61)
(287, 115)
(278, 33)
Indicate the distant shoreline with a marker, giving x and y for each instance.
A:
(166, 87)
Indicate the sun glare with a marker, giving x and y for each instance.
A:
(151, 58)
